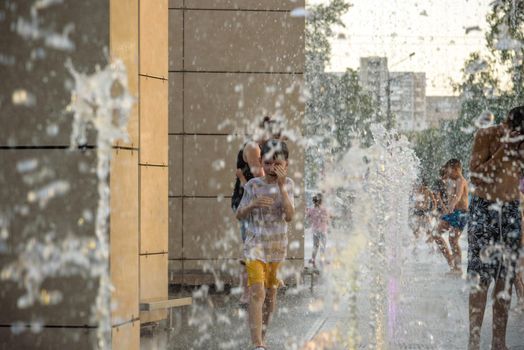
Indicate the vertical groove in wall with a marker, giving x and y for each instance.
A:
(183, 125)
(138, 159)
(111, 161)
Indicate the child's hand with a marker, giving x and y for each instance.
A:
(281, 172)
(262, 202)
(240, 174)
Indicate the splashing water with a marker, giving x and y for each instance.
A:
(103, 101)
(32, 30)
(379, 179)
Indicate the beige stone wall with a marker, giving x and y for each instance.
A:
(124, 184)
(139, 186)
(234, 61)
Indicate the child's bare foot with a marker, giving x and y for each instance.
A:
(457, 270)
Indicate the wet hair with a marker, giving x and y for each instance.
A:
(317, 199)
(454, 163)
(515, 119)
(266, 122)
(271, 126)
(275, 149)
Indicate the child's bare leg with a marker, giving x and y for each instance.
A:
(244, 299)
(316, 244)
(519, 287)
(477, 306)
(257, 295)
(441, 243)
(323, 240)
(500, 316)
(268, 309)
(454, 237)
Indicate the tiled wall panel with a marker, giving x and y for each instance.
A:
(126, 336)
(243, 41)
(49, 338)
(176, 3)
(209, 165)
(176, 156)
(153, 121)
(153, 209)
(153, 283)
(153, 38)
(220, 103)
(124, 46)
(176, 39)
(124, 234)
(45, 191)
(176, 99)
(215, 236)
(175, 228)
(34, 95)
(78, 295)
(154, 143)
(242, 4)
(48, 198)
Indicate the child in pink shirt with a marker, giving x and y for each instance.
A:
(319, 220)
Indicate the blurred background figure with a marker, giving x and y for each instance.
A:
(318, 219)
(424, 204)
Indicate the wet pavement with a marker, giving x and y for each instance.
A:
(426, 308)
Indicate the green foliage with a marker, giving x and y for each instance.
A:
(480, 89)
(338, 110)
(319, 28)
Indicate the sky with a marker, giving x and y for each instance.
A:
(434, 29)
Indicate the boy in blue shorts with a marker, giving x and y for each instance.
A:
(267, 205)
(456, 215)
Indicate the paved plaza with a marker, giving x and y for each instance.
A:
(429, 311)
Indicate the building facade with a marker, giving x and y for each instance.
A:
(399, 95)
(442, 108)
(407, 95)
(374, 77)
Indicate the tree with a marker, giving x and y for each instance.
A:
(481, 89)
(338, 110)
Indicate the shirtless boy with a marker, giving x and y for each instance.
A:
(494, 229)
(455, 215)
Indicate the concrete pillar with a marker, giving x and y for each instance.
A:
(124, 185)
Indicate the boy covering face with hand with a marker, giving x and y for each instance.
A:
(267, 205)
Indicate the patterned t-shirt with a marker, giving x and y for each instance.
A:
(266, 236)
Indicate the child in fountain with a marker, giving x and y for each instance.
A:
(268, 205)
(424, 206)
(455, 215)
(319, 220)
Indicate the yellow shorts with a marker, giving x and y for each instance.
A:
(261, 272)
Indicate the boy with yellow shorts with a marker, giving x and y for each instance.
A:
(267, 205)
